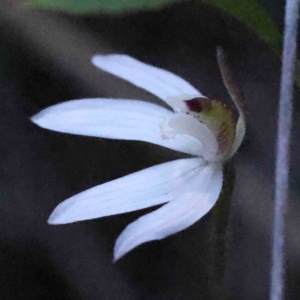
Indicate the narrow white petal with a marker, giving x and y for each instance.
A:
(152, 186)
(114, 119)
(196, 200)
(157, 81)
(183, 124)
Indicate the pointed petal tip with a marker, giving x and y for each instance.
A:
(59, 217)
(116, 258)
(58, 220)
(94, 58)
(174, 216)
(41, 119)
(99, 59)
(35, 119)
(124, 245)
(53, 220)
(119, 252)
(220, 52)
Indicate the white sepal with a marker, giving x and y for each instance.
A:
(159, 82)
(114, 119)
(149, 187)
(199, 196)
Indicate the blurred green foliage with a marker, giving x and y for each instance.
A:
(105, 6)
(254, 16)
(248, 11)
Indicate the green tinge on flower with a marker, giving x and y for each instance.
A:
(219, 120)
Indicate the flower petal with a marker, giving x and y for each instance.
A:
(237, 97)
(196, 200)
(157, 81)
(184, 124)
(239, 134)
(114, 119)
(132, 192)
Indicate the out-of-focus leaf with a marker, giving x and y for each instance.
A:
(254, 16)
(92, 6)
(249, 12)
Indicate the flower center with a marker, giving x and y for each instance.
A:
(217, 118)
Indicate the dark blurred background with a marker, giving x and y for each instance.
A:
(45, 59)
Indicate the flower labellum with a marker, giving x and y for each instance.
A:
(188, 188)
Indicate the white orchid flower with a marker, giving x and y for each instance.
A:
(189, 187)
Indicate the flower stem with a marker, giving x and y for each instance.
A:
(283, 141)
(220, 226)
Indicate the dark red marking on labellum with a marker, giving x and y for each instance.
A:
(198, 104)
